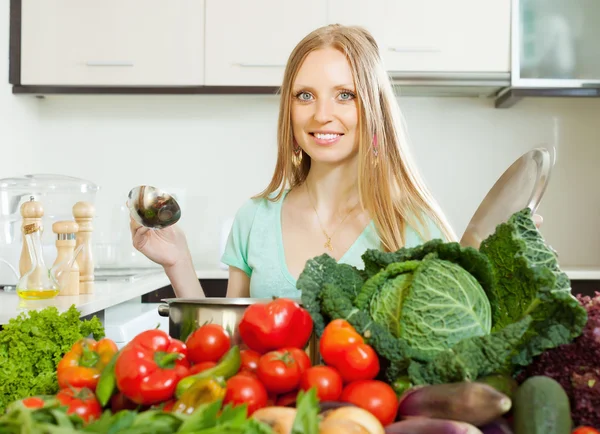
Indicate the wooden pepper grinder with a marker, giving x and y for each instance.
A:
(68, 271)
(32, 212)
(84, 213)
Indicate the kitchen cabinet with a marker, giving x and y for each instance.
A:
(112, 42)
(248, 42)
(462, 36)
(556, 43)
(555, 52)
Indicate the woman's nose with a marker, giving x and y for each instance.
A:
(324, 111)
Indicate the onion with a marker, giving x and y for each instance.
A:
(280, 419)
(357, 415)
(341, 426)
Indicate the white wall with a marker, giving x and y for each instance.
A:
(18, 121)
(221, 149)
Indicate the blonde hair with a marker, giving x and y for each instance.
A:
(390, 188)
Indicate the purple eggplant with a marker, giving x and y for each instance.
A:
(474, 403)
(423, 425)
(499, 426)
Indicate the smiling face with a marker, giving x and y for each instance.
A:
(324, 107)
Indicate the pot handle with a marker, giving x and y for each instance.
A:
(163, 310)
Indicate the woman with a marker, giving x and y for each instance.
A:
(344, 181)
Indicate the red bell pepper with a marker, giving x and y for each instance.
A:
(270, 326)
(150, 366)
(83, 364)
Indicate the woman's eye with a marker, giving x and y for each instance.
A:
(303, 96)
(346, 96)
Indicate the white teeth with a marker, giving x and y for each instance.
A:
(326, 136)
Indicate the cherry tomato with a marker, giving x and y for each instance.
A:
(586, 430)
(207, 343)
(374, 396)
(279, 371)
(301, 358)
(81, 402)
(246, 389)
(327, 380)
(202, 366)
(359, 362)
(250, 360)
(33, 402)
(336, 338)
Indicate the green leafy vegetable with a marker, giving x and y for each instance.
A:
(31, 347)
(528, 281)
(440, 312)
(307, 413)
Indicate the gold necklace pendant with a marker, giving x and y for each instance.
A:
(327, 244)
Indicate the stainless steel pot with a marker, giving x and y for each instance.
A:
(187, 314)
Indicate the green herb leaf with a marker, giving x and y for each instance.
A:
(205, 416)
(307, 416)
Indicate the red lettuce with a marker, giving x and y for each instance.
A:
(576, 366)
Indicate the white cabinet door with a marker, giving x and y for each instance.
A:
(112, 42)
(434, 35)
(248, 42)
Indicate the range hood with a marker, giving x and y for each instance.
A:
(449, 84)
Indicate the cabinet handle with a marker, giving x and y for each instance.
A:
(259, 65)
(415, 49)
(104, 63)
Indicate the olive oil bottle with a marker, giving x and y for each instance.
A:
(38, 283)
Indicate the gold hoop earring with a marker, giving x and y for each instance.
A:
(297, 155)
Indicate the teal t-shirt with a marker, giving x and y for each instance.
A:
(255, 246)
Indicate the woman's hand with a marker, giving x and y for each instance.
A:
(165, 246)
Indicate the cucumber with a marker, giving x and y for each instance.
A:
(541, 406)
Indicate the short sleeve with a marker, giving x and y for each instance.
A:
(235, 253)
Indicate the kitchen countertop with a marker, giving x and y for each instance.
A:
(107, 294)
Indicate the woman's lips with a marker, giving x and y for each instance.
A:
(326, 139)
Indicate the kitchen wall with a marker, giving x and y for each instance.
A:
(216, 151)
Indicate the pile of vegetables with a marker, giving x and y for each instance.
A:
(437, 338)
(32, 345)
(441, 313)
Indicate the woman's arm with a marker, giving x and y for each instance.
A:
(184, 279)
(239, 283)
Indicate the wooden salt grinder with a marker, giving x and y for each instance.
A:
(67, 276)
(84, 213)
(32, 212)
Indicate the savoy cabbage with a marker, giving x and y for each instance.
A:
(440, 312)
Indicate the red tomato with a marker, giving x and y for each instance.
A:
(327, 380)
(33, 402)
(279, 372)
(300, 356)
(586, 430)
(203, 366)
(338, 336)
(246, 389)
(250, 360)
(207, 343)
(374, 396)
(359, 362)
(81, 402)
